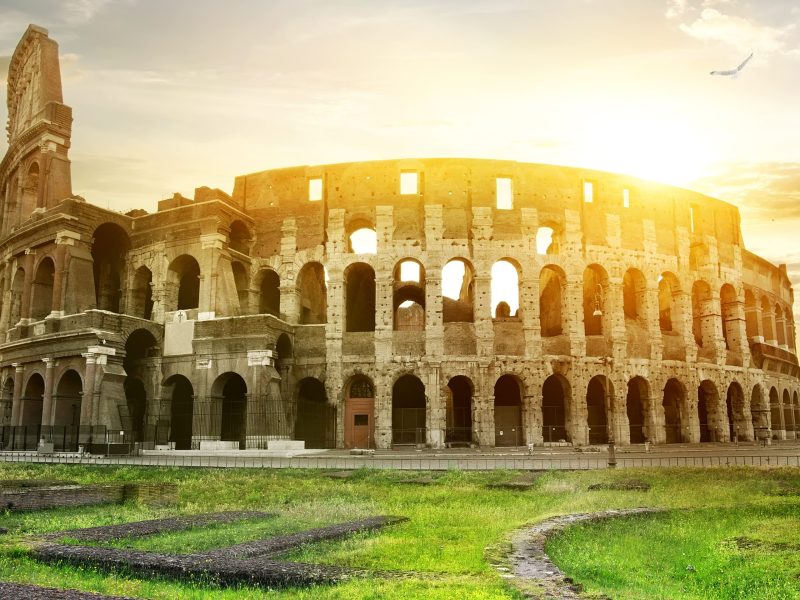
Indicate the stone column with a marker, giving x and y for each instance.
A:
(682, 303)
(529, 312)
(7, 299)
(572, 315)
(651, 318)
(614, 321)
(482, 311)
(16, 401)
(384, 298)
(656, 427)
(47, 396)
(211, 245)
(434, 328)
(87, 405)
(532, 418)
(435, 414)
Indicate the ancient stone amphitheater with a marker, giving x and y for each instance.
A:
(427, 302)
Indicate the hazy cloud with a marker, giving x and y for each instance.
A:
(81, 11)
(766, 191)
(5, 61)
(739, 32)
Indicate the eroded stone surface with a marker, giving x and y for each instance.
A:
(19, 591)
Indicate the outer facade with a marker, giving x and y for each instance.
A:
(234, 321)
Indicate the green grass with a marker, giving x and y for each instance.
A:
(456, 525)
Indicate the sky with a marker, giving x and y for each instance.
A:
(171, 95)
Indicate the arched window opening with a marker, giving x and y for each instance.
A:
(109, 249)
(788, 413)
(634, 295)
(595, 288)
(139, 346)
(734, 408)
(408, 411)
(458, 412)
(508, 412)
(708, 413)
(729, 308)
(776, 417)
(181, 394)
(505, 289)
(17, 287)
(142, 294)
(184, 279)
(673, 406)
(599, 395)
(667, 289)
(316, 418)
(42, 296)
(360, 297)
(136, 404)
(702, 313)
(551, 282)
(780, 326)
(67, 412)
(636, 407)
(269, 302)
(32, 399)
(313, 294)
(241, 279)
(766, 320)
(30, 192)
(546, 241)
(359, 430)
(239, 237)
(364, 241)
(750, 314)
(458, 291)
(409, 296)
(555, 409)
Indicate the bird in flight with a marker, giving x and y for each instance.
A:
(734, 72)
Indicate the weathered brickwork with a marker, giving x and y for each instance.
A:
(632, 311)
(28, 498)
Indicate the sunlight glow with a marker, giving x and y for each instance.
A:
(364, 241)
(505, 286)
(409, 271)
(452, 279)
(544, 237)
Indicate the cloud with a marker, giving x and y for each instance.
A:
(5, 61)
(744, 34)
(76, 12)
(764, 191)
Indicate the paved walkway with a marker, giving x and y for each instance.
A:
(564, 458)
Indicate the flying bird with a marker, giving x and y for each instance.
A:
(734, 72)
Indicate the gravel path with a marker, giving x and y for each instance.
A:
(532, 572)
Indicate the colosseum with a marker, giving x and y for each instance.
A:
(429, 302)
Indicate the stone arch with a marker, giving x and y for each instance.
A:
(6, 401)
(228, 409)
(506, 275)
(269, 298)
(31, 198)
(668, 288)
(458, 291)
(458, 410)
(710, 414)
(776, 416)
(316, 418)
(595, 299)
(408, 296)
(239, 237)
(110, 245)
(42, 293)
(766, 320)
(556, 409)
(551, 302)
(140, 345)
(788, 415)
(359, 284)
(729, 313)
(311, 282)
(362, 237)
(359, 425)
(738, 426)
(183, 278)
(636, 406)
(599, 400)
(750, 314)
(241, 279)
(141, 304)
(674, 406)
(66, 408)
(508, 395)
(180, 393)
(409, 411)
(702, 313)
(780, 329)
(759, 411)
(634, 295)
(32, 401)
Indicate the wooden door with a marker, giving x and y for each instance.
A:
(359, 425)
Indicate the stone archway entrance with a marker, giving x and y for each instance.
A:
(459, 411)
(359, 423)
(554, 409)
(508, 413)
(316, 418)
(597, 399)
(674, 397)
(408, 411)
(181, 412)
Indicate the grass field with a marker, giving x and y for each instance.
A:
(733, 536)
